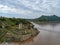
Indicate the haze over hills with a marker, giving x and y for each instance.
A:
(52, 18)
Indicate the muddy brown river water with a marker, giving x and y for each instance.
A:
(49, 35)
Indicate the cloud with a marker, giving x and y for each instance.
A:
(6, 9)
(29, 8)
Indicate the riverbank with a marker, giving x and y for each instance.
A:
(18, 35)
(54, 22)
(45, 37)
(16, 30)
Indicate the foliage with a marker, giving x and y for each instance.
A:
(11, 31)
(52, 18)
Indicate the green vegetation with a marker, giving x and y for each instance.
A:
(10, 31)
(43, 18)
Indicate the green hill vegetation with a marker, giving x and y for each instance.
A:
(43, 18)
(10, 30)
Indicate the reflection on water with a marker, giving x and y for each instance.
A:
(49, 35)
(51, 27)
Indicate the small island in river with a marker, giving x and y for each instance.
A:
(16, 29)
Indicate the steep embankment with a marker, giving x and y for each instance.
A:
(15, 29)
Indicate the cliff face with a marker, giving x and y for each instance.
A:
(15, 29)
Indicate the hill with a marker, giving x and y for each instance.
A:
(52, 18)
(15, 29)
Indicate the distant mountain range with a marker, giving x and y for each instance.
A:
(43, 18)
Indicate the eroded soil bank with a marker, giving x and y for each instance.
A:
(47, 36)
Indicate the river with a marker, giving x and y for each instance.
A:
(49, 35)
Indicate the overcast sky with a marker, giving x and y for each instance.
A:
(29, 8)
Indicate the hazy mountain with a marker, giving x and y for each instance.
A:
(48, 18)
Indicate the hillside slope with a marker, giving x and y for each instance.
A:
(52, 18)
(16, 29)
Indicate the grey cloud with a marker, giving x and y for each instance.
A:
(35, 6)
